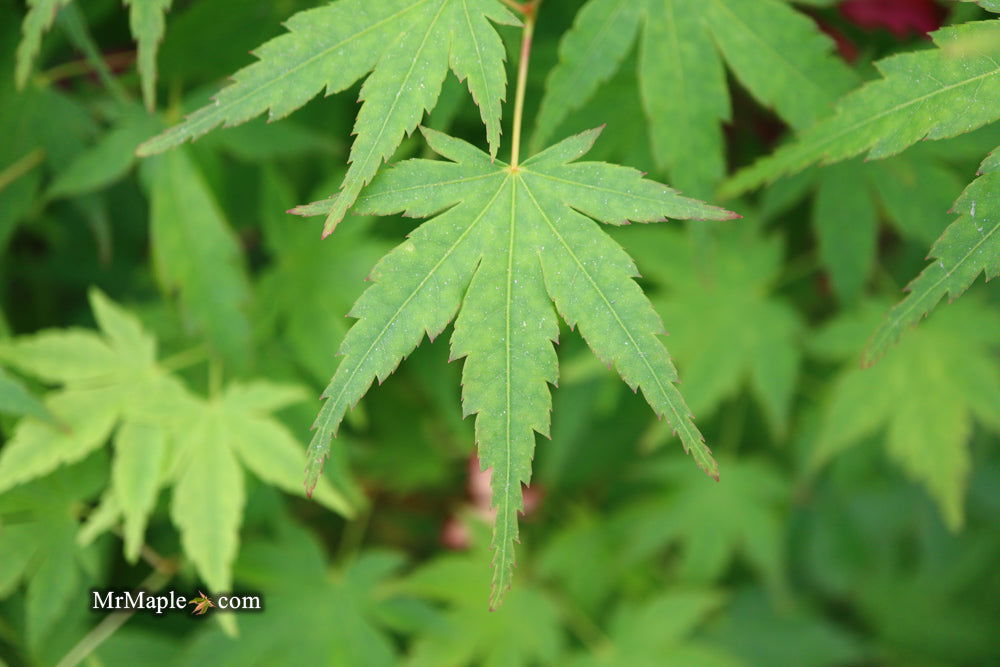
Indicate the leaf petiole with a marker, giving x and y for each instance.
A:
(516, 6)
(530, 11)
(185, 359)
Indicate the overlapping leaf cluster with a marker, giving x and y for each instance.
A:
(853, 523)
(112, 388)
(778, 53)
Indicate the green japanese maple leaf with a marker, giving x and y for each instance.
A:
(222, 436)
(713, 524)
(111, 385)
(114, 389)
(461, 631)
(778, 53)
(196, 253)
(38, 548)
(346, 606)
(407, 47)
(969, 247)
(659, 632)
(924, 396)
(727, 328)
(931, 94)
(313, 321)
(508, 243)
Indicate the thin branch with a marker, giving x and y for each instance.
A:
(83, 67)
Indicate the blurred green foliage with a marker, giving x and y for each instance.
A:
(166, 330)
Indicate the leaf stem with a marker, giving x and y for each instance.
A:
(214, 378)
(83, 66)
(185, 359)
(21, 167)
(530, 11)
(516, 6)
(161, 575)
(73, 23)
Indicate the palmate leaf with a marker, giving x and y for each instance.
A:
(924, 395)
(727, 327)
(406, 45)
(223, 436)
(713, 524)
(346, 606)
(659, 632)
(969, 247)
(38, 547)
(463, 632)
(505, 246)
(932, 94)
(114, 389)
(778, 53)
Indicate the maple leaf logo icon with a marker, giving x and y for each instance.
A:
(202, 603)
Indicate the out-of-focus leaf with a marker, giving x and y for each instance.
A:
(933, 94)
(725, 325)
(147, 24)
(41, 14)
(969, 247)
(162, 433)
(778, 53)
(466, 632)
(221, 437)
(196, 253)
(658, 632)
(925, 395)
(751, 626)
(715, 522)
(107, 161)
(38, 546)
(317, 614)
(304, 295)
(15, 399)
(847, 226)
